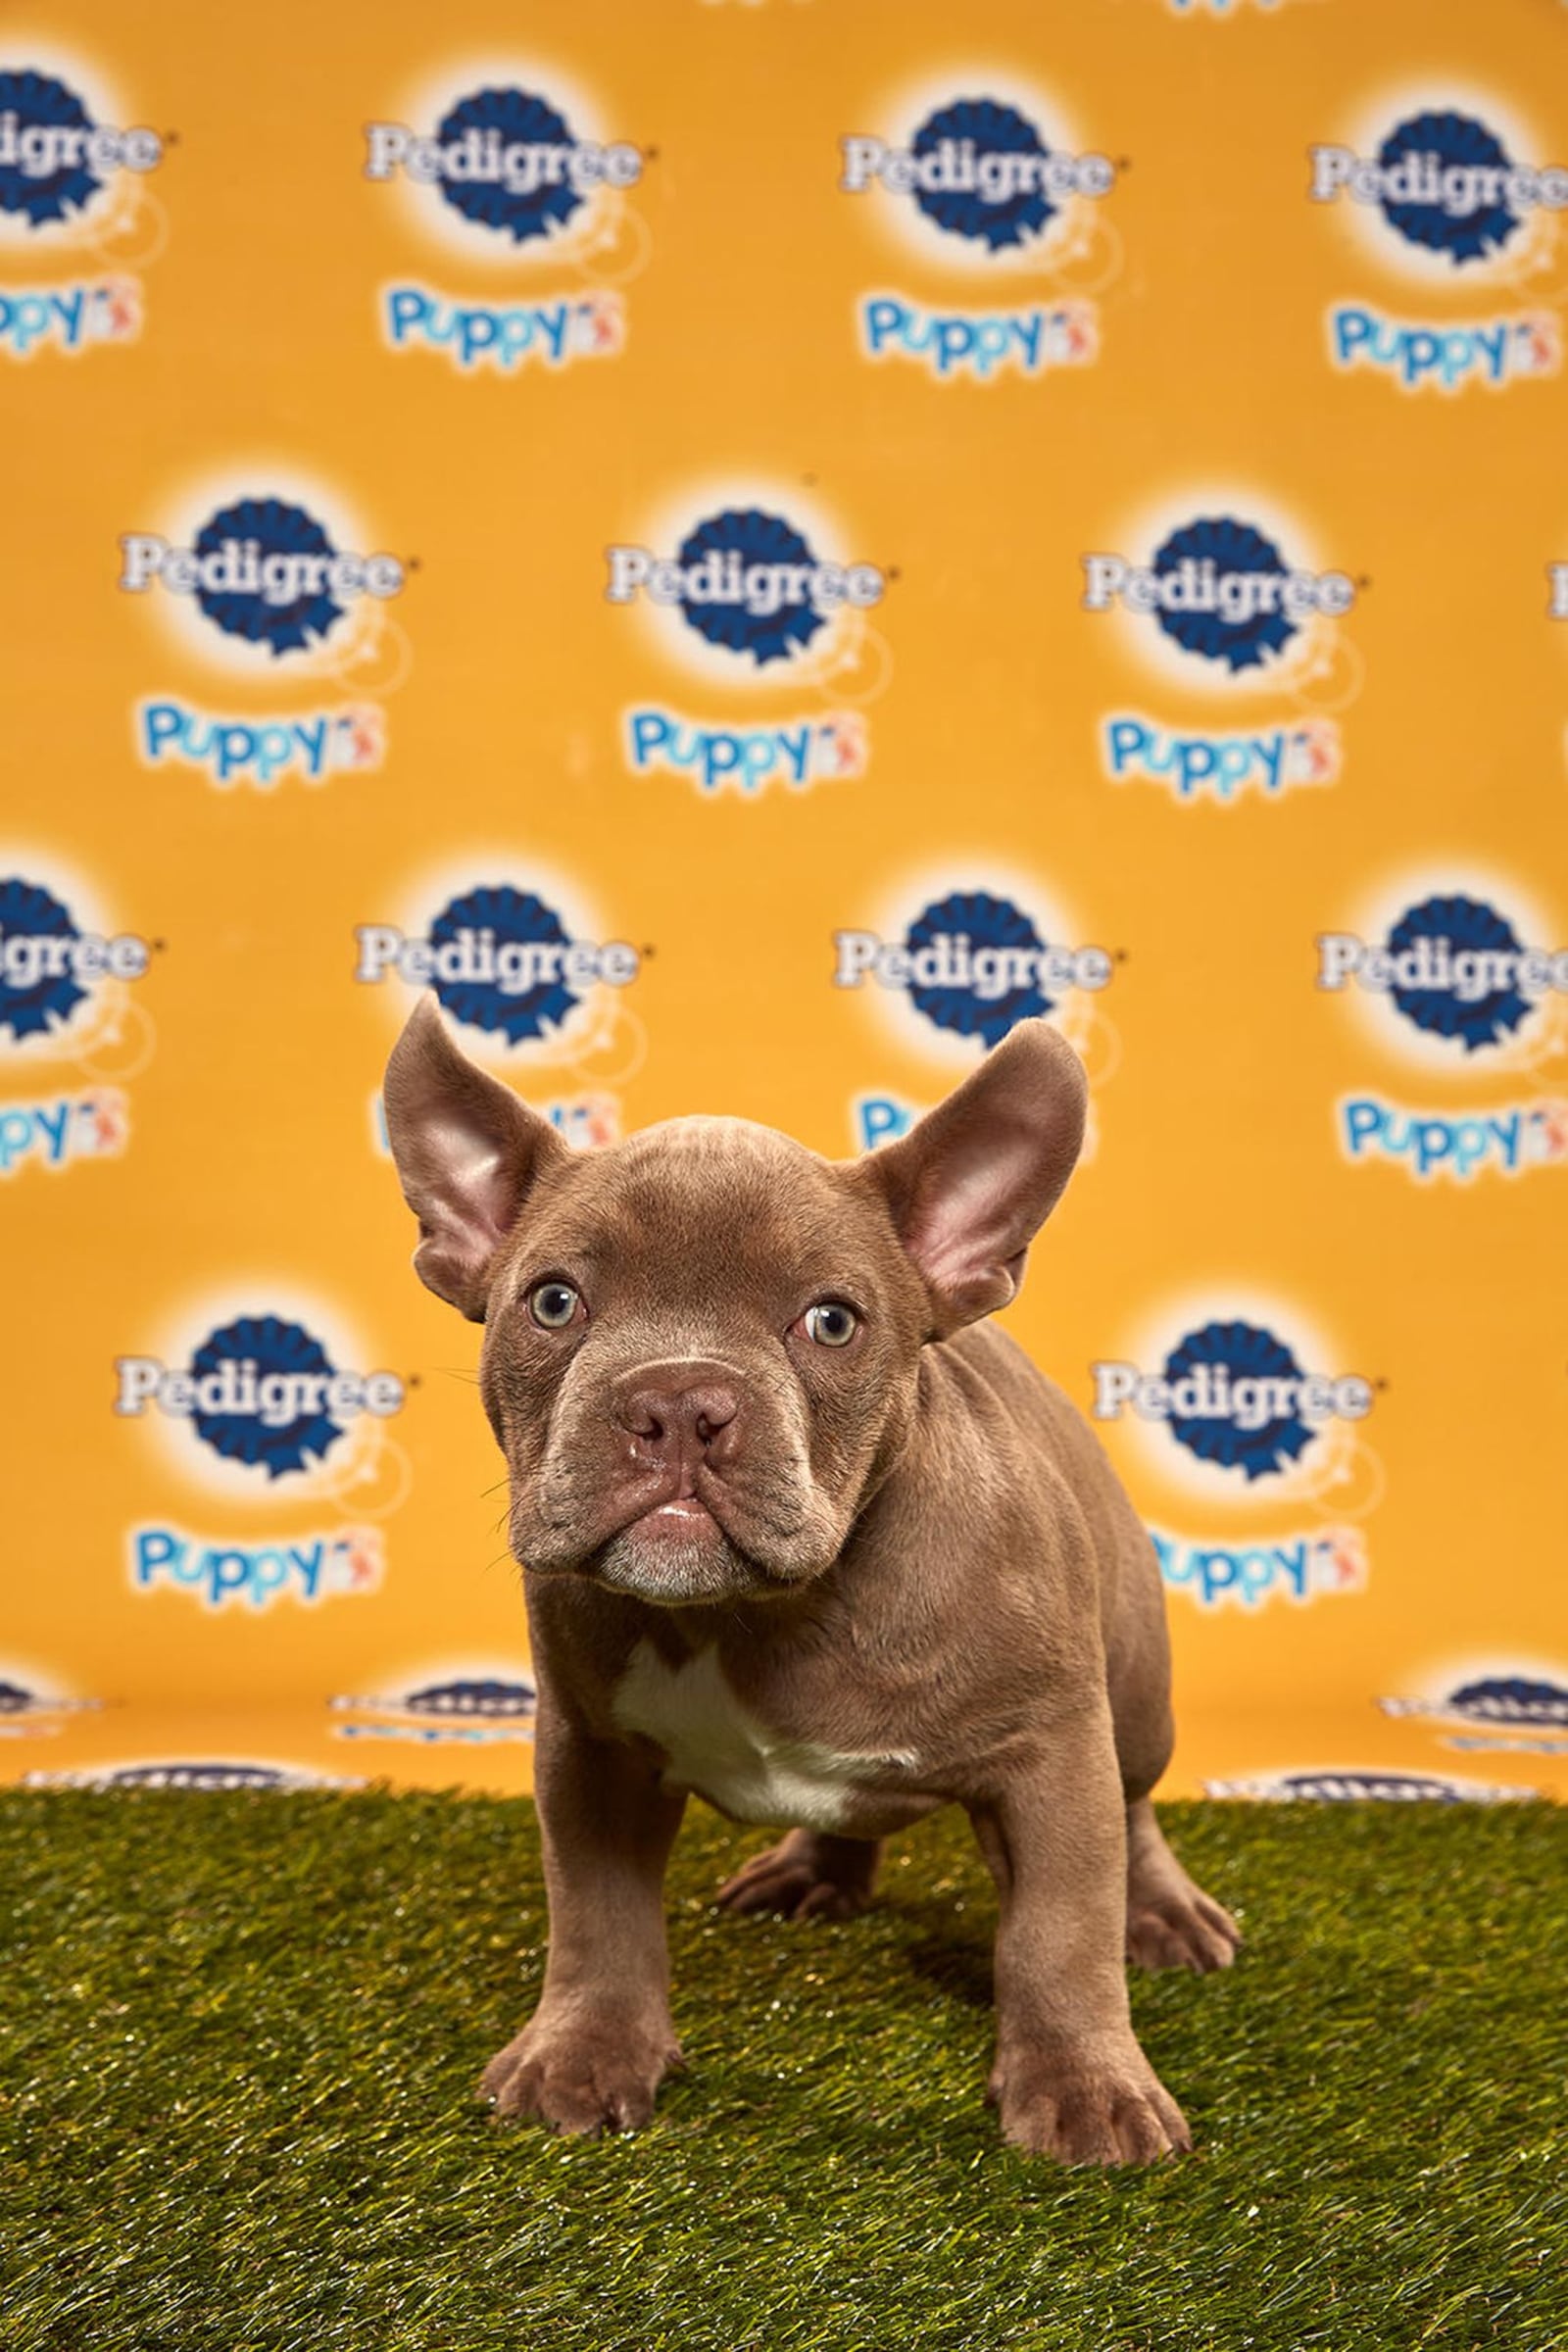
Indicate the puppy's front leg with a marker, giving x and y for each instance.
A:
(1070, 2080)
(599, 2043)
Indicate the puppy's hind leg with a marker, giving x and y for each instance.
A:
(1170, 1922)
(807, 1875)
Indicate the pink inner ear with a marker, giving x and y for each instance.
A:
(967, 1230)
(972, 1182)
(477, 1202)
(466, 1151)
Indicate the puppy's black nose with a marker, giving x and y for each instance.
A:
(685, 1415)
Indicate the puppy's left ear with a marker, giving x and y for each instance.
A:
(468, 1153)
(971, 1184)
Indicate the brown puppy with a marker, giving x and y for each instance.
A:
(803, 1535)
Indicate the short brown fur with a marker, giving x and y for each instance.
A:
(903, 1557)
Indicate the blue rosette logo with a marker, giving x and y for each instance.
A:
(1454, 968)
(1242, 1352)
(273, 1349)
(484, 1697)
(978, 921)
(989, 129)
(474, 1709)
(1444, 183)
(1235, 1396)
(456, 1699)
(49, 965)
(1451, 147)
(506, 161)
(973, 963)
(260, 1392)
(499, 959)
(1225, 551)
(263, 570)
(285, 620)
(511, 918)
(55, 159)
(748, 581)
(1512, 1698)
(207, 1773)
(1223, 593)
(37, 990)
(37, 181)
(745, 626)
(518, 118)
(978, 168)
(1463, 926)
(1328, 1786)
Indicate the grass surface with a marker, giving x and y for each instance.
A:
(241, 2033)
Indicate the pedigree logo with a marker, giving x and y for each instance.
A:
(1453, 966)
(977, 168)
(748, 582)
(1508, 1707)
(52, 967)
(213, 1773)
(264, 1401)
(69, 992)
(499, 164)
(972, 963)
(260, 1390)
(1457, 976)
(753, 586)
(1220, 590)
(1216, 593)
(506, 161)
(1437, 188)
(1336, 1784)
(984, 177)
(1251, 1434)
(56, 162)
(262, 569)
(500, 959)
(71, 178)
(1444, 183)
(267, 577)
(1233, 1394)
(443, 1707)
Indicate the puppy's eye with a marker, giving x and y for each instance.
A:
(553, 1304)
(831, 1324)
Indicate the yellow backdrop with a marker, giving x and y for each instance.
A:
(754, 545)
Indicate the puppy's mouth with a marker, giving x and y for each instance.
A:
(677, 1553)
(669, 1543)
(683, 1518)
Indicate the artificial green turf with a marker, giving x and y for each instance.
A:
(241, 2033)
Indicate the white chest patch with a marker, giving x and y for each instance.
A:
(720, 1749)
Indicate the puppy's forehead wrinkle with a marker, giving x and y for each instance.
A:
(730, 1143)
(694, 1196)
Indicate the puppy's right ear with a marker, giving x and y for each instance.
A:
(468, 1153)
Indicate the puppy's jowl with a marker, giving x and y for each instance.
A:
(806, 1535)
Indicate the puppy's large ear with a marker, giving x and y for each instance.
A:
(971, 1184)
(468, 1151)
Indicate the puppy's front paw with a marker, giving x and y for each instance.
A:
(582, 2078)
(1111, 2110)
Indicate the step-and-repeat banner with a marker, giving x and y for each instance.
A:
(750, 547)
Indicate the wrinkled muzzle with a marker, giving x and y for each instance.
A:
(678, 1479)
